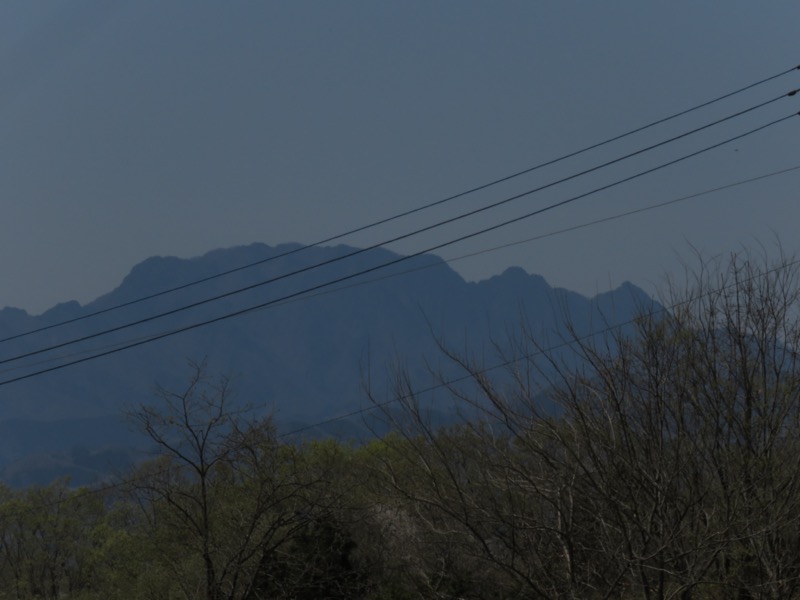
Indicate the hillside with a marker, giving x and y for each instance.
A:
(305, 360)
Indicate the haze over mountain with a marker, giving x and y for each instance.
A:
(304, 360)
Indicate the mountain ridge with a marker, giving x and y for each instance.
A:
(303, 359)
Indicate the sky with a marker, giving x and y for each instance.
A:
(135, 129)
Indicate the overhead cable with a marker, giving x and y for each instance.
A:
(450, 260)
(404, 236)
(400, 215)
(394, 261)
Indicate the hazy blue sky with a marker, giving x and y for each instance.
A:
(130, 129)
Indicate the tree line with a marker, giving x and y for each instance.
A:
(659, 461)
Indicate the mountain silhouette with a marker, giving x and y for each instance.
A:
(305, 359)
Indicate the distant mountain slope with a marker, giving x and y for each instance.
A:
(304, 359)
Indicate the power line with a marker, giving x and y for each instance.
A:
(402, 214)
(448, 261)
(427, 228)
(397, 260)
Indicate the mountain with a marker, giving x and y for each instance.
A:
(302, 357)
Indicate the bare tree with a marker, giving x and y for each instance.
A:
(667, 469)
(224, 488)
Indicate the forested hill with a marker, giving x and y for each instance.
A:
(304, 359)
